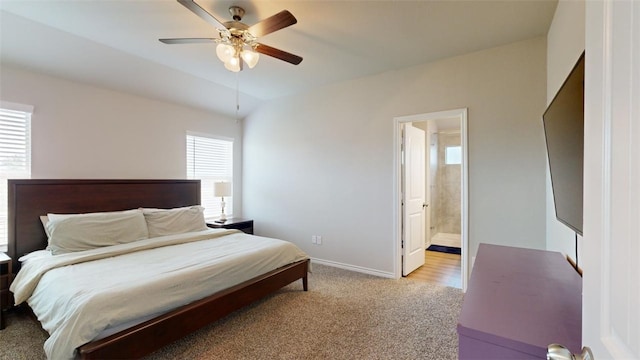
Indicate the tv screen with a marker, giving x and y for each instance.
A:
(564, 132)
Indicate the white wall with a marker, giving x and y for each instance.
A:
(81, 131)
(321, 163)
(565, 43)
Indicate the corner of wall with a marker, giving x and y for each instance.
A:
(565, 43)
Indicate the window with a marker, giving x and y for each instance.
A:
(453, 155)
(15, 154)
(210, 159)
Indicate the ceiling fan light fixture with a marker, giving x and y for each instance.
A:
(225, 52)
(238, 42)
(250, 57)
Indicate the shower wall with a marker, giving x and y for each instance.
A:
(445, 193)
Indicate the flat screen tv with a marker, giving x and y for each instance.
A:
(564, 132)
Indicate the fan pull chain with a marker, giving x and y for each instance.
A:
(237, 95)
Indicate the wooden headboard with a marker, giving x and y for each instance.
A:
(30, 199)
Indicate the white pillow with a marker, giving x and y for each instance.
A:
(162, 222)
(44, 219)
(78, 232)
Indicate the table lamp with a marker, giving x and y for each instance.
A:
(222, 189)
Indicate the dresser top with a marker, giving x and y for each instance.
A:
(523, 299)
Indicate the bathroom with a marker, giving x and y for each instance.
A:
(443, 185)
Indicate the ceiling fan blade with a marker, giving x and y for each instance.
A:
(276, 22)
(202, 13)
(188, 40)
(278, 54)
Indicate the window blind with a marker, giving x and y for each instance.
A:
(15, 153)
(210, 159)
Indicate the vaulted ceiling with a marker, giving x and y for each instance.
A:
(114, 43)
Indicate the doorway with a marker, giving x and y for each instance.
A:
(446, 186)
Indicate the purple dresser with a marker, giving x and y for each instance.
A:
(519, 301)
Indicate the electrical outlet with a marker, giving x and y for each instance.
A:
(314, 239)
(318, 239)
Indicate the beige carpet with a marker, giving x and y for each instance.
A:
(344, 315)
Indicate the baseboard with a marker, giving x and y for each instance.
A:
(350, 267)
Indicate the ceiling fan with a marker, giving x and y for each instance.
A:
(238, 43)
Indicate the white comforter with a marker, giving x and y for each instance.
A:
(110, 286)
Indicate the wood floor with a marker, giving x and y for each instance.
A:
(441, 268)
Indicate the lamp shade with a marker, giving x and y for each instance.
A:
(224, 52)
(233, 64)
(221, 189)
(250, 57)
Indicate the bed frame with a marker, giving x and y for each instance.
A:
(29, 199)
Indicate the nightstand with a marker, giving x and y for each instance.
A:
(5, 279)
(243, 225)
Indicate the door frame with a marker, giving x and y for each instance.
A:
(610, 288)
(397, 186)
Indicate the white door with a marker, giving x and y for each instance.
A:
(611, 243)
(414, 201)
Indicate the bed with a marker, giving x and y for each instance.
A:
(30, 199)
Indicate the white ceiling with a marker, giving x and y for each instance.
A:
(114, 43)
